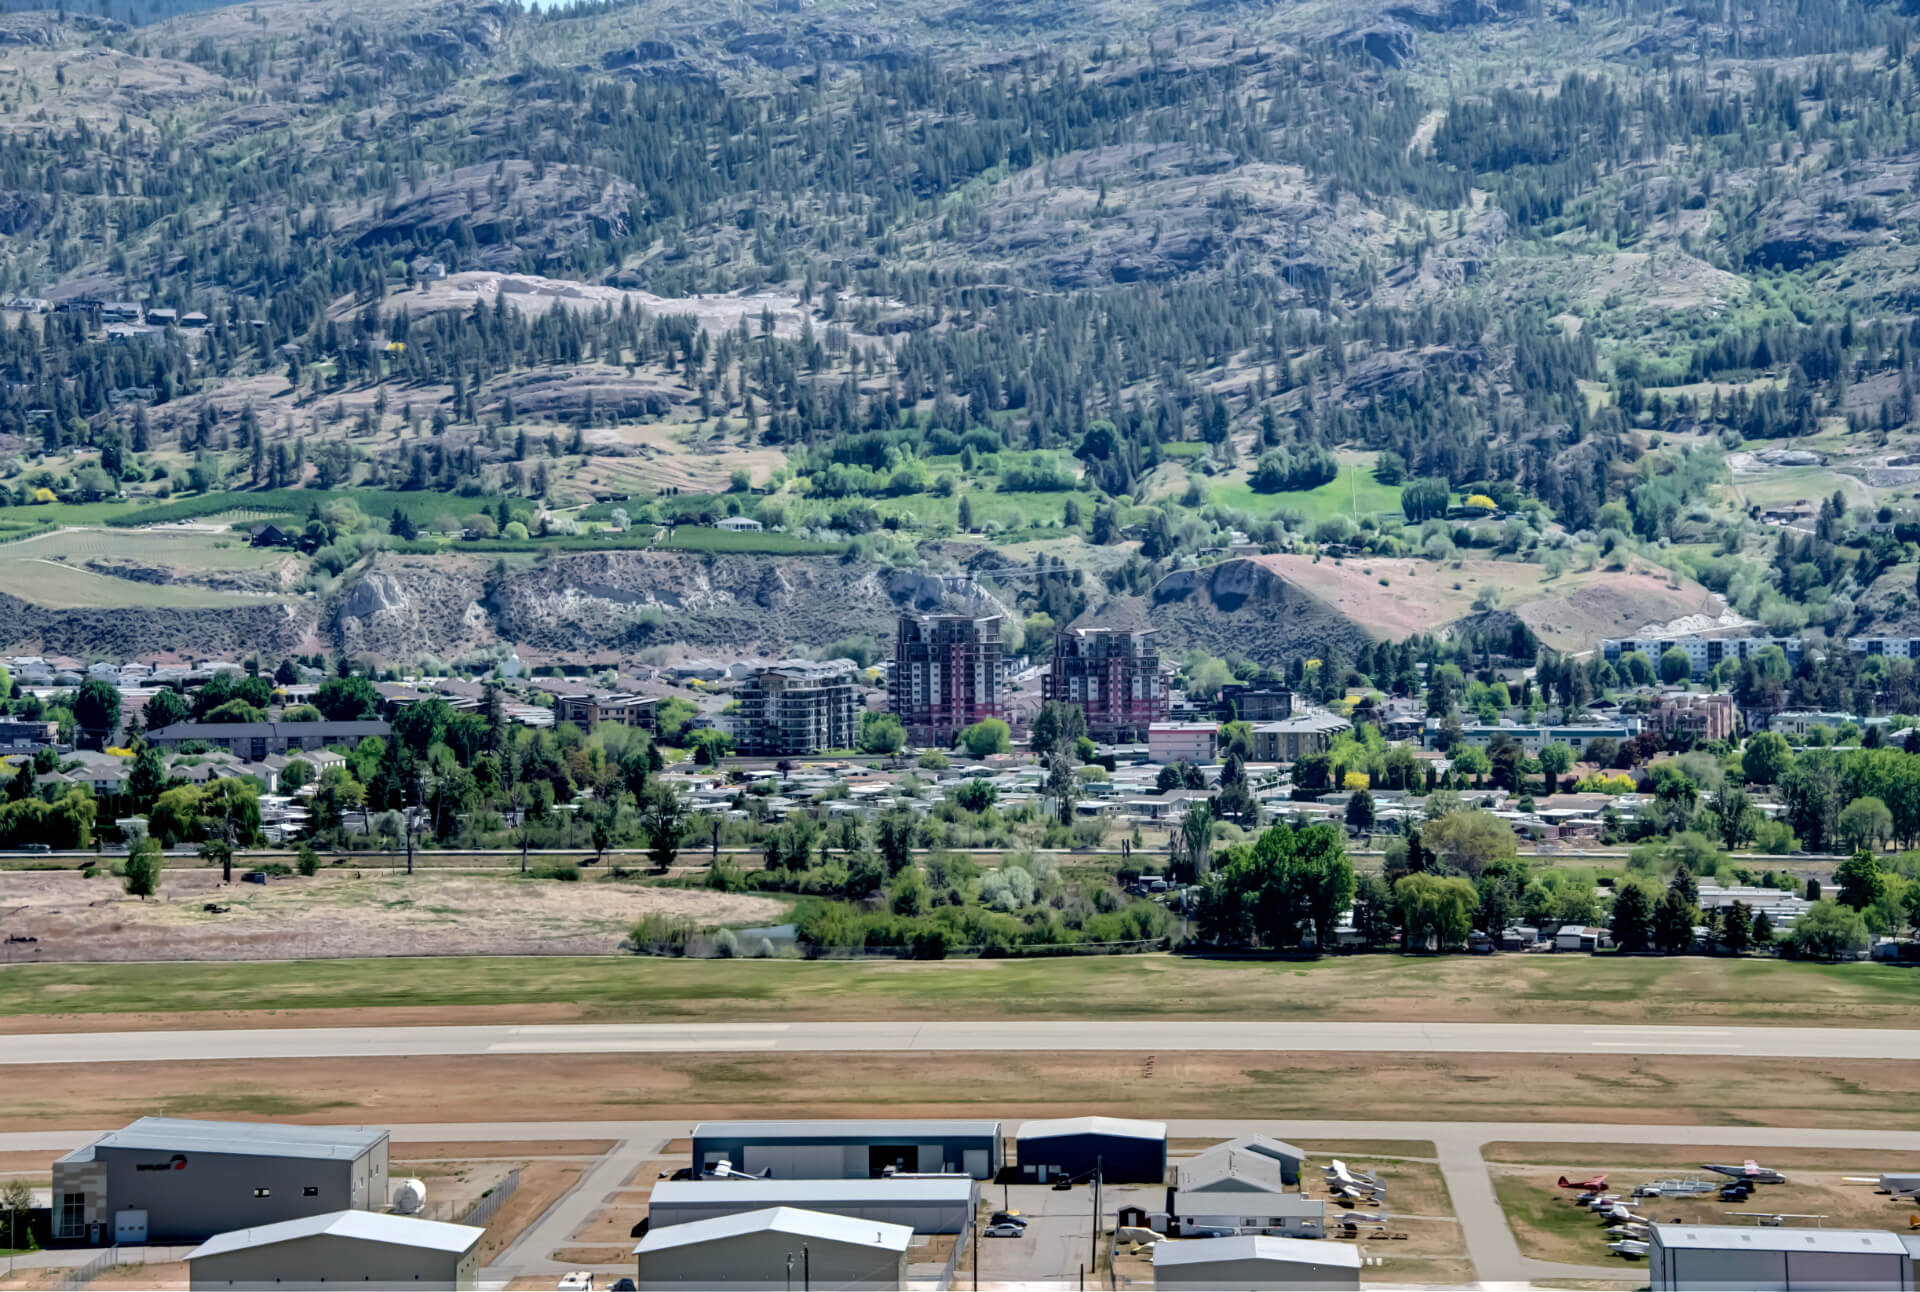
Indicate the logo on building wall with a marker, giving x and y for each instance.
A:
(178, 1162)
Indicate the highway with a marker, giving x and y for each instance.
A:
(983, 1036)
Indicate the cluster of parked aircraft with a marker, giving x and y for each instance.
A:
(1629, 1229)
(1348, 1188)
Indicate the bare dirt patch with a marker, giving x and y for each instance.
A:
(541, 1185)
(474, 1150)
(343, 913)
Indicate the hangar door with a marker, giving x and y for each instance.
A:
(796, 1161)
(901, 1157)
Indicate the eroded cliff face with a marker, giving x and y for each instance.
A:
(1244, 607)
(404, 607)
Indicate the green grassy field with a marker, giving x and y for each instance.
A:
(1506, 989)
(51, 570)
(1354, 494)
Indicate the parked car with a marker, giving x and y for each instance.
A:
(577, 1281)
(35, 847)
(1064, 1183)
(1003, 1230)
(623, 1285)
(1008, 1218)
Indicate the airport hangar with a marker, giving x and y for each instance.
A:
(1681, 1258)
(325, 1251)
(1125, 1152)
(171, 1180)
(774, 1249)
(850, 1150)
(943, 1205)
(1255, 1261)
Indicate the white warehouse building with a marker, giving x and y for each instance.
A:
(749, 1252)
(1255, 1263)
(1721, 1258)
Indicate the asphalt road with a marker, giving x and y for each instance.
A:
(1584, 1041)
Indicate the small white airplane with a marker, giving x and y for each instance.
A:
(1603, 1201)
(1631, 1248)
(723, 1170)
(1749, 1170)
(1620, 1213)
(1632, 1229)
(1340, 1175)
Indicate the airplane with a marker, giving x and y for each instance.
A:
(1339, 1174)
(1622, 1214)
(1592, 1184)
(723, 1170)
(1749, 1170)
(1632, 1229)
(1631, 1248)
(1601, 1201)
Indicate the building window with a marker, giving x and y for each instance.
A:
(311, 1191)
(73, 1214)
(263, 1193)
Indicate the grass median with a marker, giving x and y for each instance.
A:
(1514, 989)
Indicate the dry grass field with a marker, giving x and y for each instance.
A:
(350, 911)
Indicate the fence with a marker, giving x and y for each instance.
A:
(116, 1255)
(483, 1210)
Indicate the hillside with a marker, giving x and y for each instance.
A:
(1115, 290)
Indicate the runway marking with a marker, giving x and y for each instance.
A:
(1684, 1045)
(611, 1046)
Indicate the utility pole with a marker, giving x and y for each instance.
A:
(789, 1272)
(1093, 1257)
(806, 1268)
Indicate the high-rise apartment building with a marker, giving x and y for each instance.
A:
(799, 707)
(1114, 676)
(948, 673)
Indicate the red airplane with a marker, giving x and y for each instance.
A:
(1597, 1182)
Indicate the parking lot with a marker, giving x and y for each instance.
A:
(1059, 1240)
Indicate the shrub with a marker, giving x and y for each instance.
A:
(726, 945)
(660, 935)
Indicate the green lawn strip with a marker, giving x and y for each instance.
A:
(1354, 494)
(1539, 989)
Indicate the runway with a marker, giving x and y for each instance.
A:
(934, 1037)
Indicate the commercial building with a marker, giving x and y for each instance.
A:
(19, 734)
(1291, 739)
(948, 673)
(325, 1251)
(256, 740)
(850, 1150)
(1124, 1152)
(165, 1180)
(587, 711)
(1780, 908)
(1703, 653)
(1697, 716)
(1254, 1262)
(1798, 723)
(1114, 676)
(1892, 647)
(749, 1253)
(1274, 1162)
(924, 1204)
(1241, 702)
(1682, 1258)
(1183, 742)
(799, 707)
(1242, 1185)
(1535, 738)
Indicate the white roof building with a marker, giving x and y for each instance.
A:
(1255, 1261)
(749, 1252)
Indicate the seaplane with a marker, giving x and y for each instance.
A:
(1592, 1184)
(1631, 1248)
(723, 1170)
(1749, 1170)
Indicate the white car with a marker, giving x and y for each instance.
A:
(578, 1281)
(1003, 1230)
